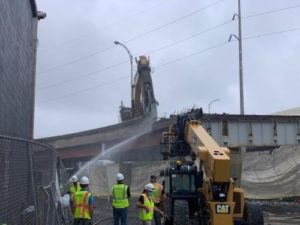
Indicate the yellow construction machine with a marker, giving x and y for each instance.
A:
(198, 181)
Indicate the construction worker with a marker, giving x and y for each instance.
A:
(82, 204)
(157, 196)
(120, 194)
(74, 186)
(146, 205)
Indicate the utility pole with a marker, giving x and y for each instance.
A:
(240, 39)
(243, 149)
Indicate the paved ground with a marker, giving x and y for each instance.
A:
(103, 210)
(274, 213)
(282, 214)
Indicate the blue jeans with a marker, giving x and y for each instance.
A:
(120, 215)
(157, 218)
(156, 215)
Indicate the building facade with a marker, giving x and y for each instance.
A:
(18, 42)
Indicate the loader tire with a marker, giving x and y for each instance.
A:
(254, 214)
(181, 212)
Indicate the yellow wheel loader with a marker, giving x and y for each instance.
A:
(198, 183)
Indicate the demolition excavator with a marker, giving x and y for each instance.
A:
(198, 182)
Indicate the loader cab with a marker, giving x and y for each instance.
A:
(181, 182)
(181, 178)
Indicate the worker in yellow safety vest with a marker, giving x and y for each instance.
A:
(82, 204)
(74, 186)
(158, 197)
(146, 205)
(120, 194)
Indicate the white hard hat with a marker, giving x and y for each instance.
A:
(120, 177)
(149, 187)
(84, 180)
(74, 178)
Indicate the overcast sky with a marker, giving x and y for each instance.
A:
(82, 76)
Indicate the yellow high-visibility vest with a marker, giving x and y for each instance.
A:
(81, 204)
(120, 198)
(143, 214)
(74, 188)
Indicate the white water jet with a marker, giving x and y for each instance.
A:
(145, 128)
(107, 152)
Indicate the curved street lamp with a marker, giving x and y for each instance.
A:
(131, 71)
(209, 104)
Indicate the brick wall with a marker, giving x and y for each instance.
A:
(17, 67)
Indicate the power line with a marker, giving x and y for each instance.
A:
(84, 90)
(159, 28)
(170, 62)
(271, 33)
(271, 11)
(224, 43)
(152, 51)
(219, 45)
(191, 36)
(112, 24)
(193, 54)
(84, 75)
(173, 22)
(131, 39)
(156, 6)
(125, 77)
(173, 61)
(75, 61)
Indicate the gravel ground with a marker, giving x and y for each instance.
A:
(275, 213)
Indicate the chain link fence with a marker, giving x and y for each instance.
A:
(32, 180)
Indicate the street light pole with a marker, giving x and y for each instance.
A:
(131, 73)
(215, 100)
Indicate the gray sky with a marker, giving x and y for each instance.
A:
(82, 76)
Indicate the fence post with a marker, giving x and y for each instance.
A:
(32, 181)
(6, 165)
